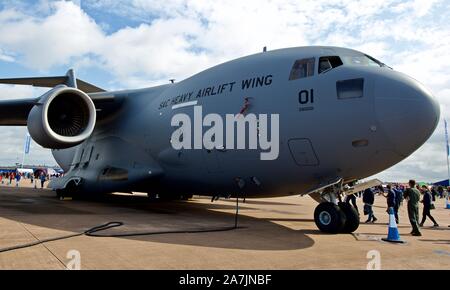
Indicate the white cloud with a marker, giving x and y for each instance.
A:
(12, 150)
(151, 49)
(5, 57)
(419, 7)
(67, 33)
(12, 153)
(9, 92)
(181, 37)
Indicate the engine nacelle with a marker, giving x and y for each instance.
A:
(64, 117)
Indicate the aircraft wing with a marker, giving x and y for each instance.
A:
(50, 82)
(15, 112)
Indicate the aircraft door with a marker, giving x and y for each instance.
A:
(303, 152)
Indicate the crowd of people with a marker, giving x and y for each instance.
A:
(395, 195)
(9, 178)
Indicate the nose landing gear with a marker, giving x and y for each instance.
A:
(351, 218)
(335, 217)
(329, 218)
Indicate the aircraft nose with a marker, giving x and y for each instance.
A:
(406, 111)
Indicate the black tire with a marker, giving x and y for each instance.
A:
(175, 197)
(329, 218)
(351, 217)
(70, 191)
(152, 196)
(186, 197)
(63, 193)
(59, 193)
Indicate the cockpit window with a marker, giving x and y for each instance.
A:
(362, 60)
(302, 68)
(327, 63)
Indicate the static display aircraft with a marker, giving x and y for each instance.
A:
(315, 120)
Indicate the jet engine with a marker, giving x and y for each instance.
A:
(62, 118)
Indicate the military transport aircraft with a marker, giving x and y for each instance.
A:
(336, 116)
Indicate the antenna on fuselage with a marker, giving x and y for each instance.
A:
(265, 49)
(172, 81)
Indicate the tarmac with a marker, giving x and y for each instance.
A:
(275, 233)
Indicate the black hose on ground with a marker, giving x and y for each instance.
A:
(93, 232)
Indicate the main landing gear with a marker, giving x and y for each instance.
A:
(182, 197)
(70, 191)
(336, 217)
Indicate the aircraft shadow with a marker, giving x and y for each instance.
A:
(40, 208)
(289, 220)
(267, 202)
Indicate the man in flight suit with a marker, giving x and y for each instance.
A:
(413, 197)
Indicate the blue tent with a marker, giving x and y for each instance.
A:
(442, 183)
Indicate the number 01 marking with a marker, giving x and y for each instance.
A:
(305, 97)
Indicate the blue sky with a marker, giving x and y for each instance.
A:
(140, 43)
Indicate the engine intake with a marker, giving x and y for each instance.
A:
(63, 118)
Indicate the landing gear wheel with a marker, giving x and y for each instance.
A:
(351, 218)
(175, 197)
(70, 191)
(186, 196)
(59, 193)
(329, 218)
(152, 196)
(67, 193)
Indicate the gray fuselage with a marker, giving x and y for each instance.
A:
(327, 128)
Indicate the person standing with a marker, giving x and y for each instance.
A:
(413, 197)
(391, 200)
(434, 193)
(368, 200)
(42, 178)
(352, 199)
(427, 202)
(399, 195)
(440, 191)
(18, 177)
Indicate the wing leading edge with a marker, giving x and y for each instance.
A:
(15, 112)
(50, 82)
